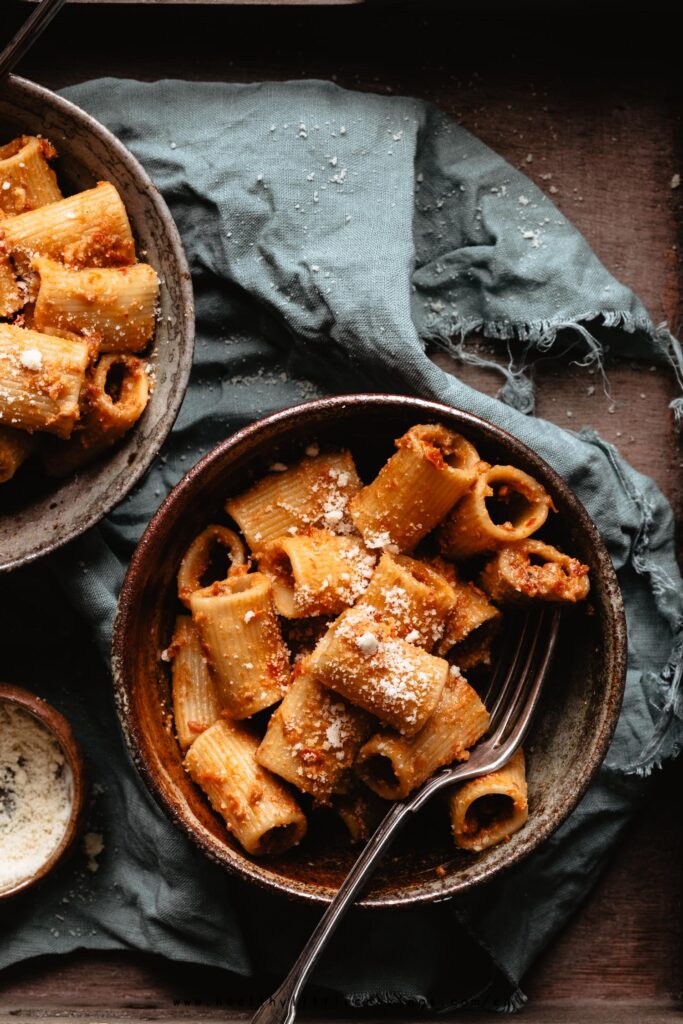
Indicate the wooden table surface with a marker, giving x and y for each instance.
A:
(596, 108)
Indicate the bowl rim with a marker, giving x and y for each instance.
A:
(55, 722)
(252, 870)
(186, 331)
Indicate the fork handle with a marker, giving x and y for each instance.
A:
(280, 1008)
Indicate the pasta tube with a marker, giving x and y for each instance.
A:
(116, 395)
(15, 448)
(88, 229)
(197, 559)
(505, 505)
(361, 811)
(362, 659)
(313, 493)
(316, 573)
(242, 639)
(257, 808)
(531, 570)
(40, 380)
(487, 810)
(470, 610)
(431, 470)
(476, 650)
(26, 179)
(416, 599)
(115, 306)
(313, 738)
(393, 766)
(195, 700)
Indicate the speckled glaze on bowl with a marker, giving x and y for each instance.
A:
(55, 723)
(38, 515)
(573, 727)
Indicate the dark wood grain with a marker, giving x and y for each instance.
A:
(595, 107)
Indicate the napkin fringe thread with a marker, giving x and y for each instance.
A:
(663, 587)
(450, 331)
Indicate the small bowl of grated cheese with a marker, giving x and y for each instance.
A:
(42, 789)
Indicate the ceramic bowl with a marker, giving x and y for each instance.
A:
(57, 724)
(573, 727)
(38, 515)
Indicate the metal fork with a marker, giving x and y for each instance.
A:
(513, 695)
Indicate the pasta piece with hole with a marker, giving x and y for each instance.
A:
(413, 596)
(313, 493)
(257, 808)
(116, 395)
(41, 379)
(393, 766)
(26, 179)
(470, 610)
(533, 571)
(198, 559)
(242, 639)
(361, 811)
(414, 490)
(363, 659)
(312, 739)
(487, 810)
(115, 306)
(504, 505)
(195, 701)
(316, 573)
(89, 229)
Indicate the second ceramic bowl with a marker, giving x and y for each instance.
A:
(38, 515)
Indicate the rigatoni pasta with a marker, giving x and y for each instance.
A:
(256, 807)
(393, 766)
(504, 505)
(315, 492)
(416, 599)
(531, 570)
(313, 738)
(348, 658)
(316, 573)
(41, 378)
(197, 559)
(114, 306)
(431, 470)
(71, 285)
(195, 700)
(26, 179)
(361, 658)
(492, 808)
(89, 229)
(115, 396)
(243, 642)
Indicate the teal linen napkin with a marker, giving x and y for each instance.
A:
(331, 237)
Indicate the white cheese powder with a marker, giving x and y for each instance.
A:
(31, 358)
(35, 795)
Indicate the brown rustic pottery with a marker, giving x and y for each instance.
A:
(574, 724)
(57, 724)
(37, 515)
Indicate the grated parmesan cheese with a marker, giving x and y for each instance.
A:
(31, 358)
(35, 795)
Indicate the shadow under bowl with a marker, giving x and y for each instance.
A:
(572, 728)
